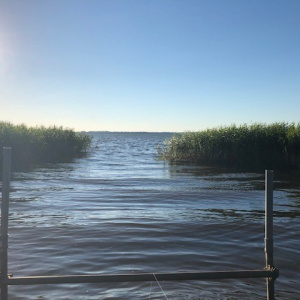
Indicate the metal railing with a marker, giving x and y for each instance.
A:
(269, 272)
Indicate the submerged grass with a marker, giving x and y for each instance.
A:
(256, 146)
(31, 145)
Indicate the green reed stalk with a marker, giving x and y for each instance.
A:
(31, 145)
(259, 146)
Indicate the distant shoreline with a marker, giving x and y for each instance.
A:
(139, 132)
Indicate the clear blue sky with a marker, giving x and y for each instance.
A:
(149, 65)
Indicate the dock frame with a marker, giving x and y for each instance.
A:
(270, 273)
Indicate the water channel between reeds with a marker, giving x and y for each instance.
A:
(120, 210)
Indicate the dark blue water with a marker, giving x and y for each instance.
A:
(120, 210)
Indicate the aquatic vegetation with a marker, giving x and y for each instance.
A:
(31, 145)
(256, 146)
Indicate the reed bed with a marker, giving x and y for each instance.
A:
(256, 146)
(33, 145)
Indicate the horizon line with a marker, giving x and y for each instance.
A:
(117, 131)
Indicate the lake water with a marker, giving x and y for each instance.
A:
(120, 210)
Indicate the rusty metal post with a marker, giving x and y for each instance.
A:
(269, 231)
(4, 220)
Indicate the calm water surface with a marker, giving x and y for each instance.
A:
(120, 210)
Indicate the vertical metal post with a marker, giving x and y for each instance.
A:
(4, 219)
(269, 231)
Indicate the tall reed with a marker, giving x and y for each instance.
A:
(32, 145)
(256, 146)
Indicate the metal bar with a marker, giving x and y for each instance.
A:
(269, 231)
(65, 279)
(4, 219)
(269, 219)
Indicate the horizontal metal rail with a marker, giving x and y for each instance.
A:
(139, 277)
